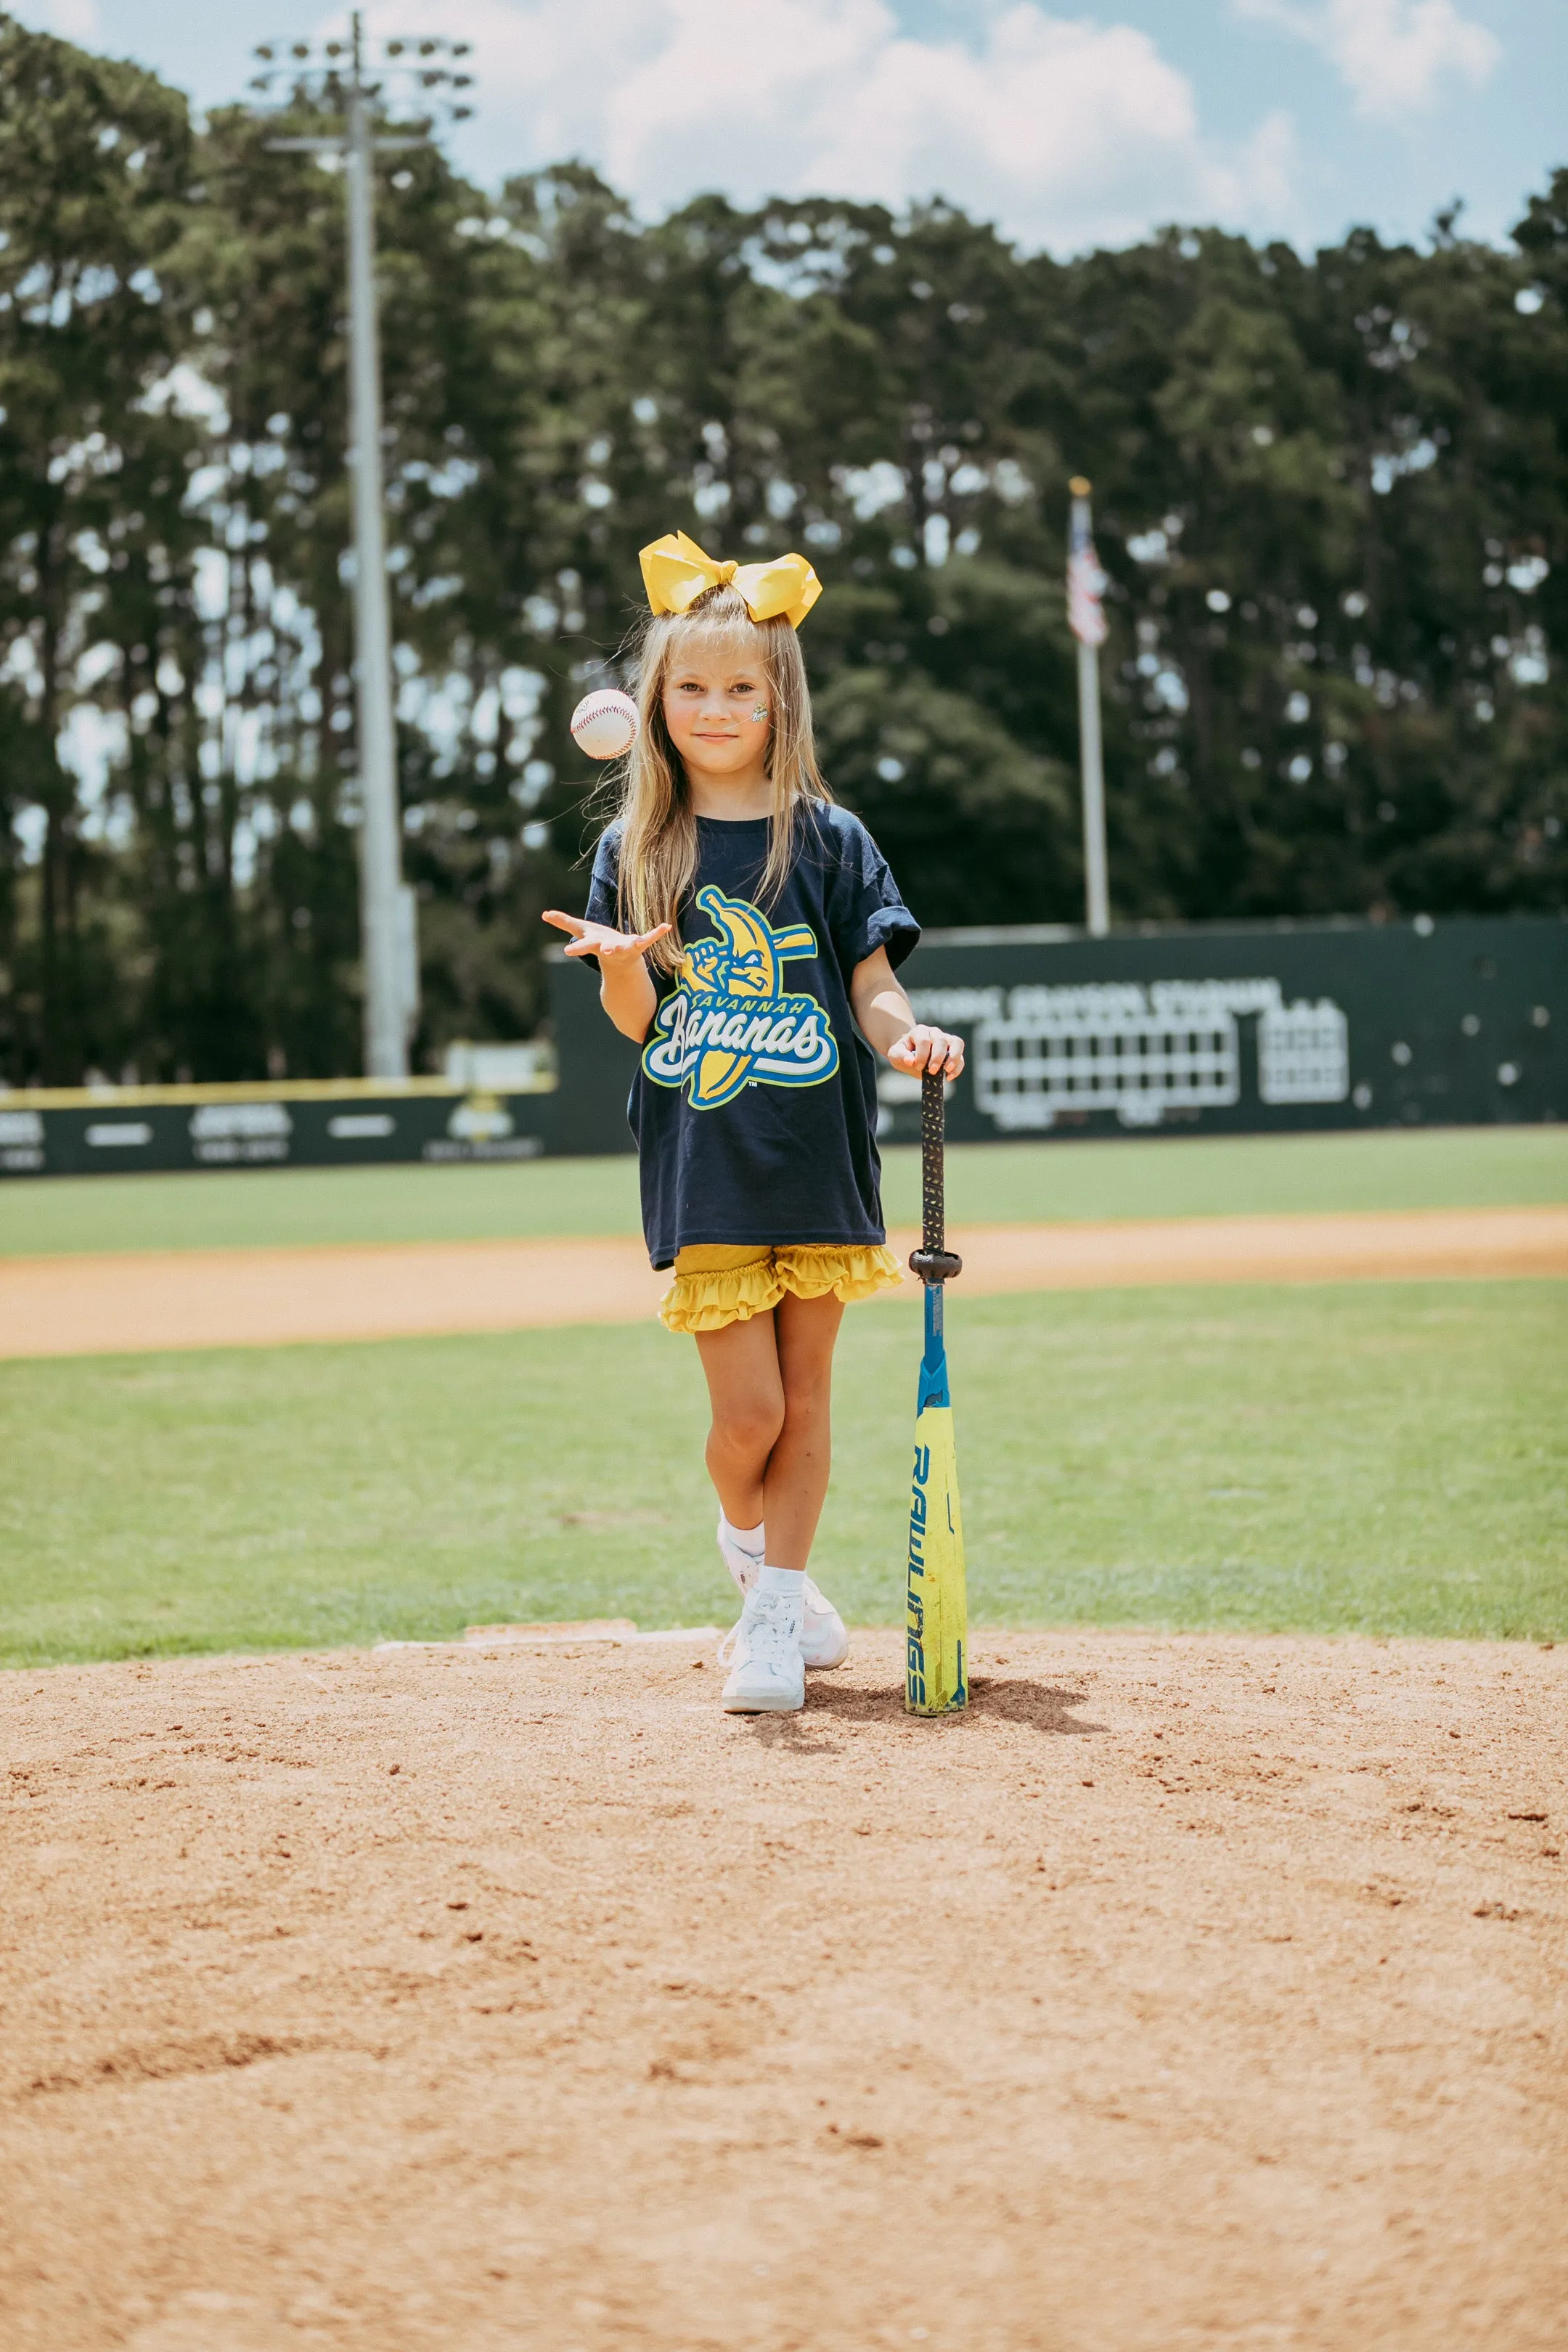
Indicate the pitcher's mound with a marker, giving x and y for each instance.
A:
(1187, 1993)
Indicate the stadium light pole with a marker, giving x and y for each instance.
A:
(331, 75)
(1086, 617)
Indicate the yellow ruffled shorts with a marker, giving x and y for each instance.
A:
(717, 1284)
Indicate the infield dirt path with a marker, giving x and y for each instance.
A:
(76, 1306)
(1191, 1995)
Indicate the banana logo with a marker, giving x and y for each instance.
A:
(729, 1025)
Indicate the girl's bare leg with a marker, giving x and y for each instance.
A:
(769, 1448)
(746, 1392)
(796, 1482)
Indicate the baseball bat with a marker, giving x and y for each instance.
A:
(937, 1622)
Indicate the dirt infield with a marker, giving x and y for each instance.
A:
(1191, 1993)
(200, 1298)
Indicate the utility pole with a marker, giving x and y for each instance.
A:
(1086, 616)
(331, 75)
(383, 893)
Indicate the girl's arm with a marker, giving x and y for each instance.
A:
(625, 986)
(888, 1022)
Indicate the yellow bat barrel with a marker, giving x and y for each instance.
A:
(937, 1629)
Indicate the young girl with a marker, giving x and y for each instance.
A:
(746, 932)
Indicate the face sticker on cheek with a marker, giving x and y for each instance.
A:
(760, 715)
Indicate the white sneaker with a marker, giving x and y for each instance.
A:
(768, 1676)
(823, 1641)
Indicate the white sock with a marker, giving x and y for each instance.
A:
(751, 1540)
(788, 1580)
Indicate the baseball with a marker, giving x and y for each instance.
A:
(605, 724)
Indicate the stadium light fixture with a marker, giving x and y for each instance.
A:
(364, 82)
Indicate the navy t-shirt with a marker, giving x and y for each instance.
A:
(754, 1105)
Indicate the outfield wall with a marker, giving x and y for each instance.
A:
(1247, 1028)
(1178, 1029)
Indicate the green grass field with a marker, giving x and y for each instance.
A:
(987, 1184)
(1388, 1459)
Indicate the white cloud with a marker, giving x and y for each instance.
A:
(1065, 132)
(73, 20)
(1391, 54)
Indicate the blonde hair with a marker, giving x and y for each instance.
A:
(659, 825)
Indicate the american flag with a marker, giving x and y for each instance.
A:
(1086, 581)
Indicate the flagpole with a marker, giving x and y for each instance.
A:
(1085, 580)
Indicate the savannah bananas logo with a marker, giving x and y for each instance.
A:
(729, 1025)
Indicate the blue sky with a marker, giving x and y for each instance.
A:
(1069, 126)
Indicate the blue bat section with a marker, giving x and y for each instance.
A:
(934, 1363)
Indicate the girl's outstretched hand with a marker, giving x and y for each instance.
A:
(923, 1048)
(599, 940)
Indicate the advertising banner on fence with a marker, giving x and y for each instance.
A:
(113, 1131)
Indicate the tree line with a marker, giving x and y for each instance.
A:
(1331, 496)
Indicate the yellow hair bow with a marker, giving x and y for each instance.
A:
(676, 572)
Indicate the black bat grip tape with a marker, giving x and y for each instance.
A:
(933, 1261)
